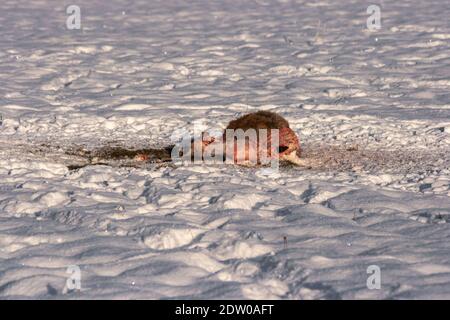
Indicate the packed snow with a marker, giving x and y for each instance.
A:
(371, 109)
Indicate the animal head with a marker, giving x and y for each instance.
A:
(288, 143)
(288, 146)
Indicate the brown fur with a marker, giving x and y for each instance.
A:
(259, 120)
(266, 120)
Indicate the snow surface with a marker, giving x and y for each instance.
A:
(371, 108)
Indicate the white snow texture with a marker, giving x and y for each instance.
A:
(371, 109)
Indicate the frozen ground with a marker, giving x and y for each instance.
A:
(371, 108)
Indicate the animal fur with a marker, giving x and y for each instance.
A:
(259, 120)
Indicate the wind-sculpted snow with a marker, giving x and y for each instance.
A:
(371, 109)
